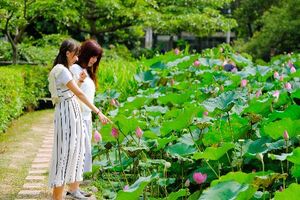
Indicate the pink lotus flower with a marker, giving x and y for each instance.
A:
(126, 187)
(293, 70)
(244, 83)
(115, 132)
(176, 51)
(187, 183)
(97, 136)
(286, 135)
(258, 93)
(196, 63)
(288, 86)
(139, 132)
(276, 94)
(199, 178)
(276, 75)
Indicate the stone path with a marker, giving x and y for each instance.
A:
(35, 186)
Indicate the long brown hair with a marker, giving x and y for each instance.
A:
(67, 45)
(90, 48)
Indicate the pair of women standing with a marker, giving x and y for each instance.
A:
(72, 131)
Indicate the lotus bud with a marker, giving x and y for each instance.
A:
(258, 93)
(205, 113)
(199, 178)
(97, 136)
(126, 187)
(172, 82)
(290, 64)
(234, 70)
(176, 51)
(115, 132)
(281, 78)
(276, 75)
(286, 135)
(288, 86)
(244, 83)
(293, 70)
(187, 183)
(196, 63)
(276, 94)
(139, 132)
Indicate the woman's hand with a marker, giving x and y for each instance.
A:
(82, 76)
(103, 118)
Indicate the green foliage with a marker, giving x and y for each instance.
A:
(20, 88)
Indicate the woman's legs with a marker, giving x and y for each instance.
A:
(58, 193)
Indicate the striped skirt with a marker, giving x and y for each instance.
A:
(69, 144)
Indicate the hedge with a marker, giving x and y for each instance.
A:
(20, 89)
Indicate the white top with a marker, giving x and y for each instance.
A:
(88, 87)
(58, 78)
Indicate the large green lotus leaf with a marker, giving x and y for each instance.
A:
(240, 60)
(296, 171)
(180, 149)
(144, 76)
(183, 120)
(267, 178)
(224, 190)
(224, 102)
(177, 195)
(212, 137)
(279, 144)
(296, 96)
(264, 71)
(156, 110)
(291, 193)
(277, 128)
(259, 146)
(282, 100)
(173, 98)
(165, 181)
(195, 195)
(239, 177)
(259, 106)
(292, 112)
(135, 103)
(135, 190)
(158, 65)
(295, 157)
(296, 74)
(213, 153)
(163, 141)
(126, 124)
(172, 113)
(207, 77)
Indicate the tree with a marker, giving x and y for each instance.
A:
(279, 32)
(17, 15)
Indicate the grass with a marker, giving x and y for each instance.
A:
(18, 147)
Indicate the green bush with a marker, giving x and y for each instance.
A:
(20, 89)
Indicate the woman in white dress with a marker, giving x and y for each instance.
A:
(85, 74)
(68, 148)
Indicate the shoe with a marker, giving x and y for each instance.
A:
(76, 195)
(84, 193)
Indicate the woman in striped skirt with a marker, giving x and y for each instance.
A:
(68, 150)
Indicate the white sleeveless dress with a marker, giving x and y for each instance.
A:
(68, 148)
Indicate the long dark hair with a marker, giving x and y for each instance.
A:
(90, 48)
(67, 45)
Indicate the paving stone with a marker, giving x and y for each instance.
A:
(47, 146)
(38, 171)
(45, 150)
(41, 160)
(40, 166)
(34, 185)
(29, 192)
(34, 178)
